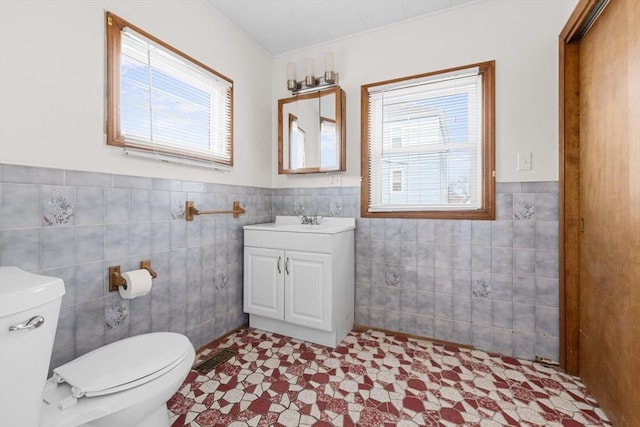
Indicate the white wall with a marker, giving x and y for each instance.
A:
(52, 85)
(520, 35)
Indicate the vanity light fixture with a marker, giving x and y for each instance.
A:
(311, 82)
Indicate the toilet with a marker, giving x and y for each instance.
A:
(126, 383)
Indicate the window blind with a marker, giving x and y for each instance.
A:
(425, 143)
(171, 106)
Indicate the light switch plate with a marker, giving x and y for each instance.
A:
(524, 161)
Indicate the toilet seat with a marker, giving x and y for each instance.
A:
(123, 364)
(129, 407)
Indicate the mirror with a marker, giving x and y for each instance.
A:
(311, 132)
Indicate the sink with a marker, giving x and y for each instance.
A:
(292, 224)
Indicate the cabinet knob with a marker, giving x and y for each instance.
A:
(279, 268)
(286, 266)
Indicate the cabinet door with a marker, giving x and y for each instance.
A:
(308, 289)
(264, 282)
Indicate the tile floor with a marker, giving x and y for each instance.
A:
(376, 379)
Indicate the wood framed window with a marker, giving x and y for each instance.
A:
(438, 130)
(161, 103)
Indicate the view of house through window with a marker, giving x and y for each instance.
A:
(429, 147)
(164, 103)
(328, 144)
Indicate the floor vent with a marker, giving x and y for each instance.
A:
(219, 358)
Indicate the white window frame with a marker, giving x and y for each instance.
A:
(483, 206)
(215, 149)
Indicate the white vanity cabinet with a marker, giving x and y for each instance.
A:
(299, 279)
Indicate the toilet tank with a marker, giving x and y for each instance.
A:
(29, 309)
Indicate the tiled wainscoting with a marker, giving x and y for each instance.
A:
(492, 284)
(74, 225)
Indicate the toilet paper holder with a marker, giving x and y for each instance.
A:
(116, 280)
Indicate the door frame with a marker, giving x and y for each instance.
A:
(583, 16)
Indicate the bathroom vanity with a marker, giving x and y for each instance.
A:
(299, 278)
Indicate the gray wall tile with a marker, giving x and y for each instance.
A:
(524, 207)
(481, 233)
(504, 206)
(547, 235)
(32, 175)
(443, 280)
(89, 280)
(140, 206)
(524, 234)
(546, 292)
(502, 234)
(89, 206)
(547, 206)
(116, 241)
(462, 309)
(547, 320)
(116, 206)
(424, 325)
(425, 306)
(540, 187)
(524, 262)
(461, 282)
(89, 243)
(547, 346)
(502, 260)
(20, 206)
(546, 263)
(502, 314)
(88, 179)
(508, 187)
(426, 231)
(502, 287)
(524, 318)
(58, 205)
(502, 341)
(125, 181)
(58, 247)
(523, 289)
(524, 345)
(481, 258)
(21, 248)
(481, 311)
(481, 337)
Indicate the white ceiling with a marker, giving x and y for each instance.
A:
(281, 26)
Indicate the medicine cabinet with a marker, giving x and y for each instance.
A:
(311, 132)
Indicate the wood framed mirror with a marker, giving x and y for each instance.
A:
(311, 132)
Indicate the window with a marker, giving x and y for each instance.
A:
(428, 148)
(396, 181)
(163, 104)
(328, 144)
(297, 141)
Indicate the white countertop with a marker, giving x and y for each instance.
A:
(328, 225)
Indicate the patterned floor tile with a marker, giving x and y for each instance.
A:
(376, 379)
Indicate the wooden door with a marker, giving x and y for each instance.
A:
(601, 207)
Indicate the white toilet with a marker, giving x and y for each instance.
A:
(126, 383)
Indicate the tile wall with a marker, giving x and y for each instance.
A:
(492, 284)
(74, 225)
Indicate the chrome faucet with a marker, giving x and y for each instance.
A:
(310, 220)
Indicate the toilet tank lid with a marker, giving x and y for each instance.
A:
(21, 290)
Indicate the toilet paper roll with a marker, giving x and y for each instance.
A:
(138, 283)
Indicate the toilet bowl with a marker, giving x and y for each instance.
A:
(125, 384)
